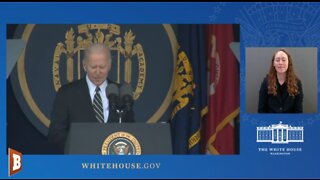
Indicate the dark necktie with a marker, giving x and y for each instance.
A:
(97, 106)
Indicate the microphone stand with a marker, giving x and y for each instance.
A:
(120, 113)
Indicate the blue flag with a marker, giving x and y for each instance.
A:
(190, 90)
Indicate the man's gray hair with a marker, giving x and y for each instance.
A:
(98, 48)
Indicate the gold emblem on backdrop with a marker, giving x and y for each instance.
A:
(108, 34)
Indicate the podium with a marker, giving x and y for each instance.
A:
(114, 138)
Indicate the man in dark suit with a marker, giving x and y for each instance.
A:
(84, 100)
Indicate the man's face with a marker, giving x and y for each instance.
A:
(97, 67)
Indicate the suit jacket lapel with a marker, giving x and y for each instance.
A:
(87, 99)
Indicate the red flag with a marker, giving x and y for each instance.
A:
(224, 101)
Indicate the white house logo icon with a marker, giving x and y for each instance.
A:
(280, 134)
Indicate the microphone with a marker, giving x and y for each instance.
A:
(126, 97)
(112, 92)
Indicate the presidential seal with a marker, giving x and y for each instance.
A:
(121, 143)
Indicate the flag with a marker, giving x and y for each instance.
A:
(219, 131)
(190, 90)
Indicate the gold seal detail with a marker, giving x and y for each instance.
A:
(121, 143)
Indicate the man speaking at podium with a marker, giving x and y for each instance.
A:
(93, 98)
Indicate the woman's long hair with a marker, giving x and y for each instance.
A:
(291, 78)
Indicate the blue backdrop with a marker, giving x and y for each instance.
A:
(261, 25)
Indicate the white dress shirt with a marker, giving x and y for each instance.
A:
(105, 101)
